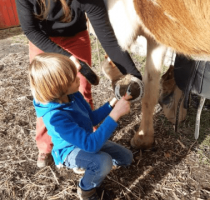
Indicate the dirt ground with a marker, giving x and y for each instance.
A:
(177, 167)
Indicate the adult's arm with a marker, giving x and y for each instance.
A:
(31, 29)
(98, 16)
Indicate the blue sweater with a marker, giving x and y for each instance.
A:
(71, 125)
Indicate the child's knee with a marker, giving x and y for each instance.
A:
(125, 158)
(129, 157)
(105, 163)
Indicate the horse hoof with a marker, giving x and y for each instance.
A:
(133, 144)
(139, 143)
(130, 85)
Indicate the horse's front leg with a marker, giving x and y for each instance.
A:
(144, 138)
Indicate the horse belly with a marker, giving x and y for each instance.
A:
(125, 21)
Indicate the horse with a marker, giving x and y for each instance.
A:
(180, 25)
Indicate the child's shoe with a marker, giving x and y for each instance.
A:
(78, 170)
(87, 195)
(44, 159)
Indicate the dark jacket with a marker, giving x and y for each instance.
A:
(38, 32)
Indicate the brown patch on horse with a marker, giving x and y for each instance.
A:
(110, 70)
(110, 62)
(182, 25)
(167, 83)
(171, 97)
(150, 77)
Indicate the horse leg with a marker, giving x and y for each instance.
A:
(144, 138)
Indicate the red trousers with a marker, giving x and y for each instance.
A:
(79, 46)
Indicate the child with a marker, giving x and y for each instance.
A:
(70, 120)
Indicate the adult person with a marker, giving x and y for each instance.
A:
(59, 26)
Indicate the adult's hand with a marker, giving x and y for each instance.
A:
(86, 71)
(76, 62)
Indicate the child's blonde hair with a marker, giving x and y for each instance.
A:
(50, 76)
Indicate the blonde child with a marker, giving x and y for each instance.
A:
(70, 120)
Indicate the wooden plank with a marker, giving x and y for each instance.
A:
(11, 13)
(8, 14)
(15, 15)
(2, 23)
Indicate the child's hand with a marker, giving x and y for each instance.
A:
(122, 107)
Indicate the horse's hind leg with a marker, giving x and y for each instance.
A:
(144, 138)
